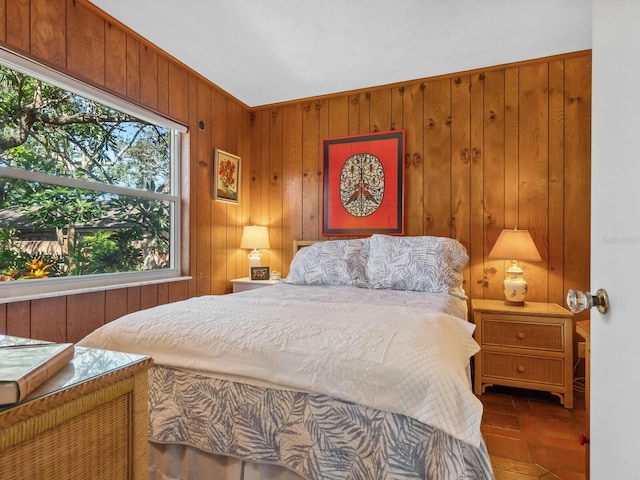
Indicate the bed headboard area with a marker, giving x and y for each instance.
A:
(298, 244)
(422, 263)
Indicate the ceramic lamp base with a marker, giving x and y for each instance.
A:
(255, 259)
(515, 286)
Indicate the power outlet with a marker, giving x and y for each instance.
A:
(582, 349)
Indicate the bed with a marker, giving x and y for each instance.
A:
(356, 366)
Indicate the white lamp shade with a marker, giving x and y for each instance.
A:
(255, 237)
(515, 245)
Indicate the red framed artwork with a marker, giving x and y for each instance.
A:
(364, 184)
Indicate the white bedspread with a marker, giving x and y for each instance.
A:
(400, 357)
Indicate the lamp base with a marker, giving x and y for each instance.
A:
(514, 304)
(515, 286)
(255, 259)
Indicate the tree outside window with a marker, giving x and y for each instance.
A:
(85, 189)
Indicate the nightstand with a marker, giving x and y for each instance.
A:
(89, 420)
(245, 283)
(528, 346)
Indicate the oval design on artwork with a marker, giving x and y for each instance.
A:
(362, 184)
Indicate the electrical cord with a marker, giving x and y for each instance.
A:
(579, 383)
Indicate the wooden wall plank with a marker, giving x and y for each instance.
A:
(354, 114)
(555, 266)
(460, 160)
(493, 178)
(85, 44)
(260, 216)
(233, 211)
(149, 77)
(190, 183)
(85, 313)
(380, 110)
(163, 293)
(234, 218)
(133, 68)
(116, 304)
(323, 133)
(474, 224)
(19, 319)
(311, 171)
(276, 189)
(202, 181)
(163, 85)
(48, 32)
(338, 114)
(293, 165)
(413, 114)
(43, 313)
(148, 296)
(133, 299)
(18, 31)
(218, 211)
(437, 157)
(179, 291)
(533, 170)
(3, 21)
(179, 94)
(3, 318)
(397, 107)
(577, 175)
(116, 60)
(364, 112)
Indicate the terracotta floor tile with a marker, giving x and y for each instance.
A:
(503, 420)
(513, 448)
(530, 435)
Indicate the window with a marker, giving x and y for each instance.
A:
(88, 186)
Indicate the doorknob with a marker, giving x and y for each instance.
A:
(579, 301)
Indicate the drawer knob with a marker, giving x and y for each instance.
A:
(520, 368)
(521, 335)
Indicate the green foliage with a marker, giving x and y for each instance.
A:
(47, 129)
(105, 253)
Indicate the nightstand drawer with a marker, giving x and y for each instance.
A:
(511, 333)
(549, 371)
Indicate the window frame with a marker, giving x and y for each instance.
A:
(58, 286)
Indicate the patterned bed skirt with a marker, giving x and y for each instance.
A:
(315, 436)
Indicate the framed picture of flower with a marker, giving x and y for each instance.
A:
(226, 177)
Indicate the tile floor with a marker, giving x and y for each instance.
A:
(531, 436)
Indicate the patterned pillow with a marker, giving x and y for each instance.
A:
(424, 264)
(335, 262)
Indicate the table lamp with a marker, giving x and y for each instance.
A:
(255, 237)
(515, 245)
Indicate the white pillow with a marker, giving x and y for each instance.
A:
(334, 262)
(424, 264)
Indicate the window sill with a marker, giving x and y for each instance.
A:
(97, 288)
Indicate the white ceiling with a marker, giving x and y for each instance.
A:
(271, 51)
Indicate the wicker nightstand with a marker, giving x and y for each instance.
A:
(89, 421)
(527, 347)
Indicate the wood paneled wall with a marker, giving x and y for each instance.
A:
(503, 147)
(498, 148)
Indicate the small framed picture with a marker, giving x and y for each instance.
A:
(259, 273)
(226, 177)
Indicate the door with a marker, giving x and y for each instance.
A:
(615, 240)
